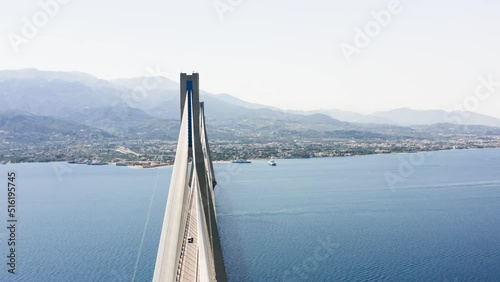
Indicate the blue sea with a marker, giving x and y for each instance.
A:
(406, 217)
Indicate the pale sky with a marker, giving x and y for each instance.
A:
(285, 53)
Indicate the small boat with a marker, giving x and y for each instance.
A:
(241, 162)
(271, 163)
(97, 163)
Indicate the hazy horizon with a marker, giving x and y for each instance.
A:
(284, 109)
(367, 56)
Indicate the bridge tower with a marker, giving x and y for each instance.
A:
(190, 248)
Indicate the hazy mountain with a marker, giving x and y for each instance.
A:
(23, 126)
(347, 116)
(158, 96)
(409, 117)
(118, 119)
(449, 129)
(54, 93)
(144, 105)
(124, 105)
(238, 102)
(34, 74)
(343, 115)
(147, 82)
(406, 117)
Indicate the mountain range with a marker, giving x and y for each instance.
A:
(145, 105)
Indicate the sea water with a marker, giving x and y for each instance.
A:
(407, 217)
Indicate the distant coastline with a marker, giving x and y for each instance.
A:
(265, 159)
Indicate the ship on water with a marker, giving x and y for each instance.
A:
(97, 163)
(241, 161)
(79, 162)
(271, 163)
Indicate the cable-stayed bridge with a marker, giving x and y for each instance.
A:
(189, 247)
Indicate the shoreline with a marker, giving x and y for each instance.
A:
(263, 159)
(141, 167)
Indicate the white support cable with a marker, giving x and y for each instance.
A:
(208, 187)
(207, 273)
(175, 213)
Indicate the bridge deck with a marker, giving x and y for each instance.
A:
(189, 261)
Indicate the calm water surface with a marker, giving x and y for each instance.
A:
(303, 220)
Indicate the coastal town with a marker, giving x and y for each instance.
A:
(153, 153)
